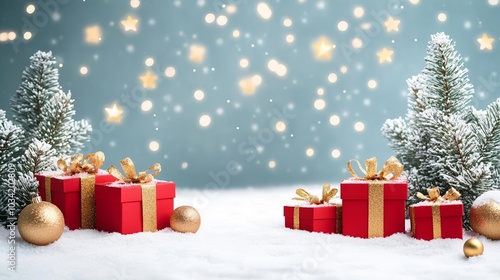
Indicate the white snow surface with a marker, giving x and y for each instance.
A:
(242, 236)
(486, 197)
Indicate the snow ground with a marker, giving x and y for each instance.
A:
(242, 236)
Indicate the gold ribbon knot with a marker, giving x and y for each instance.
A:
(392, 166)
(312, 199)
(435, 196)
(91, 163)
(131, 176)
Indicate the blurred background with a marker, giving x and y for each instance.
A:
(235, 93)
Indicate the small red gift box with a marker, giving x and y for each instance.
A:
(74, 195)
(128, 208)
(324, 218)
(373, 208)
(437, 220)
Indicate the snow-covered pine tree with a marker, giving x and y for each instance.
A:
(44, 111)
(444, 141)
(46, 130)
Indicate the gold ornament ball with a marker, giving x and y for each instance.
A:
(473, 247)
(40, 223)
(485, 215)
(185, 219)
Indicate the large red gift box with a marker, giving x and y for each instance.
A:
(373, 208)
(324, 218)
(120, 207)
(437, 220)
(73, 195)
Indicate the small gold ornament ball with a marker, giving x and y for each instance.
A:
(473, 247)
(485, 215)
(185, 219)
(40, 223)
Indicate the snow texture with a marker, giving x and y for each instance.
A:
(486, 197)
(242, 236)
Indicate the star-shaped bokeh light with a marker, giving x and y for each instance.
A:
(485, 42)
(322, 48)
(114, 113)
(130, 23)
(392, 24)
(385, 55)
(93, 34)
(148, 80)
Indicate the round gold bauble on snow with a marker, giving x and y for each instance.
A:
(185, 219)
(40, 223)
(473, 247)
(485, 215)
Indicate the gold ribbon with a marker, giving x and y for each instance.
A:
(48, 189)
(338, 224)
(296, 217)
(435, 197)
(391, 170)
(131, 176)
(148, 190)
(87, 202)
(391, 166)
(312, 199)
(376, 209)
(326, 195)
(91, 163)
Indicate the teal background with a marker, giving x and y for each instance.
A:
(235, 150)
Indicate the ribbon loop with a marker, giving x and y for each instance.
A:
(130, 172)
(327, 194)
(391, 170)
(435, 196)
(91, 163)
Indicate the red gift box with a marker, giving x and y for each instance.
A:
(437, 220)
(120, 207)
(66, 193)
(373, 208)
(316, 218)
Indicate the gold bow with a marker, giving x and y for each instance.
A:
(91, 163)
(435, 196)
(391, 166)
(132, 177)
(312, 199)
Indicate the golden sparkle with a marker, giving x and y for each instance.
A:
(485, 42)
(385, 55)
(392, 24)
(93, 34)
(114, 113)
(130, 23)
(197, 53)
(148, 80)
(249, 85)
(322, 48)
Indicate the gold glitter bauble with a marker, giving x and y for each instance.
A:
(473, 247)
(485, 219)
(185, 219)
(40, 223)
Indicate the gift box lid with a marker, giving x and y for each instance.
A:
(447, 208)
(314, 212)
(118, 192)
(71, 183)
(353, 188)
